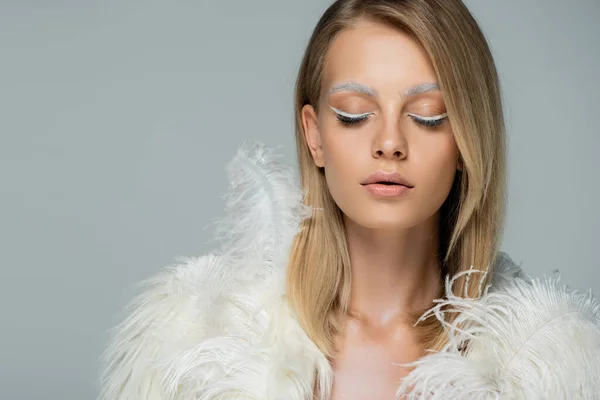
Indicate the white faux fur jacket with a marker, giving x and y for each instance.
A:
(218, 326)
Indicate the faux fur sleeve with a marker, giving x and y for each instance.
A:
(533, 339)
(170, 312)
(196, 326)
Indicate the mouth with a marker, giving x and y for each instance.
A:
(386, 183)
(387, 189)
(382, 178)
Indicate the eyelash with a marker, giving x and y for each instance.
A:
(429, 122)
(348, 121)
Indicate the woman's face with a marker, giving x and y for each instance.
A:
(379, 92)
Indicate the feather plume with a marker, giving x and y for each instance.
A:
(526, 339)
(263, 208)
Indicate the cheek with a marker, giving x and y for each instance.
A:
(338, 145)
(342, 167)
(438, 169)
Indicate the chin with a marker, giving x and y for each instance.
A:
(384, 220)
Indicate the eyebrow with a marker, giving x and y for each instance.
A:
(361, 88)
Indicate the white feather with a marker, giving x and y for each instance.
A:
(263, 209)
(527, 339)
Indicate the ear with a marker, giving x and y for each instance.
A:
(310, 125)
(459, 165)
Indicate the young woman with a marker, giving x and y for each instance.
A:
(318, 287)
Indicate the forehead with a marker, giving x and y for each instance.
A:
(377, 55)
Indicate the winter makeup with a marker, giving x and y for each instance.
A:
(347, 118)
(352, 119)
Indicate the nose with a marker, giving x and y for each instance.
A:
(390, 143)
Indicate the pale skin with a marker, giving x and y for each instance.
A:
(392, 241)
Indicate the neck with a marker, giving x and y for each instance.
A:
(394, 273)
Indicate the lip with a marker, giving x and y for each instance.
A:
(376, 184)
(380, 189)
(390, 177)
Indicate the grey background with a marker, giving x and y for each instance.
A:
(118, 117)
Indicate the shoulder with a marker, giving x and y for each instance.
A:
(528, 338)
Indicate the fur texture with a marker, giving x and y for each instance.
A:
(218, 326)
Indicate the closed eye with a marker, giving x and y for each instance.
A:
(431, 122)
(350, 119)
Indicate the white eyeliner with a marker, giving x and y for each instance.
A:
(345, 114)
(434, 118)
(358, 116)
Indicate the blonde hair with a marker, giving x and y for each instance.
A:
(318, 280)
